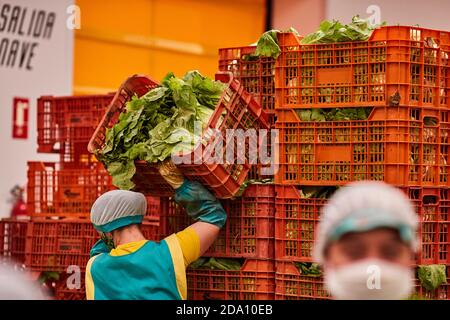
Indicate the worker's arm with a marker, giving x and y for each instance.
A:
(190, 242)
(199, 204)
(203, 207)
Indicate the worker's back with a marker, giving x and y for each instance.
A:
(142, 270)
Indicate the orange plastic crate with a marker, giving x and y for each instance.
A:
(74, 155)
(256, 171)
(64, 193)
(404, 146)
(256, 74)
(292, 285)
(249, 230)
(410, 61)
(433, 208)
(153, 207)
(69, 118)
(296, 220)
(235, 110)
(53, 245)
(12, 240)
(255, 281)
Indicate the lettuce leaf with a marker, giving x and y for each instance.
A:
(334, 31)
(431, 276)
(334, 114)
(217, 264)
(267, 45)
(308, 269)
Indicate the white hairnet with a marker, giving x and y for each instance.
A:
(118, 208)
(371, 203)
(14, 285)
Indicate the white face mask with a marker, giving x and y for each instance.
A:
(370, 279)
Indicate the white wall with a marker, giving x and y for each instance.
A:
(51, 74)
(433, 14)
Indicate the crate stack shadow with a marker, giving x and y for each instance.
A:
(366, 110)
(60, 195)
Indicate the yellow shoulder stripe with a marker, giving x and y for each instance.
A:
(190, 245)
(127, 248)
(178, 264)
(89, 283)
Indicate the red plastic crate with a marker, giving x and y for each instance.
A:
(70, 294)
(404, 146)
(153, 207)
(70, 118)
(53, 245)
(255, 281)
(56, 192)
(235, 110)
(410, 61)
(433, 208)
(64, 193)
(12, 240)
(292, 285)
(256, 74)
(249, 230)
(295, 224)
(75, 155)
(261, 171)
(296, 221)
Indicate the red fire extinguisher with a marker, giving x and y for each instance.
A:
(19, 208)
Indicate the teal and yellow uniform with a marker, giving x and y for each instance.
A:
(147, 270)
(143, 270)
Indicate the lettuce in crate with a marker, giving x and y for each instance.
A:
(159, 123)
(334, 31)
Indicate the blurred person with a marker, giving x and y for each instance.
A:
(366, 242)
(19, 207)
(14, 285)
(124, 265)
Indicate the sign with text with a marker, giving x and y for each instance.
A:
(23, 30)
(21, 107)
(36, 59)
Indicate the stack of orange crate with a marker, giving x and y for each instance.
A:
(247, 237)
(403, 75)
